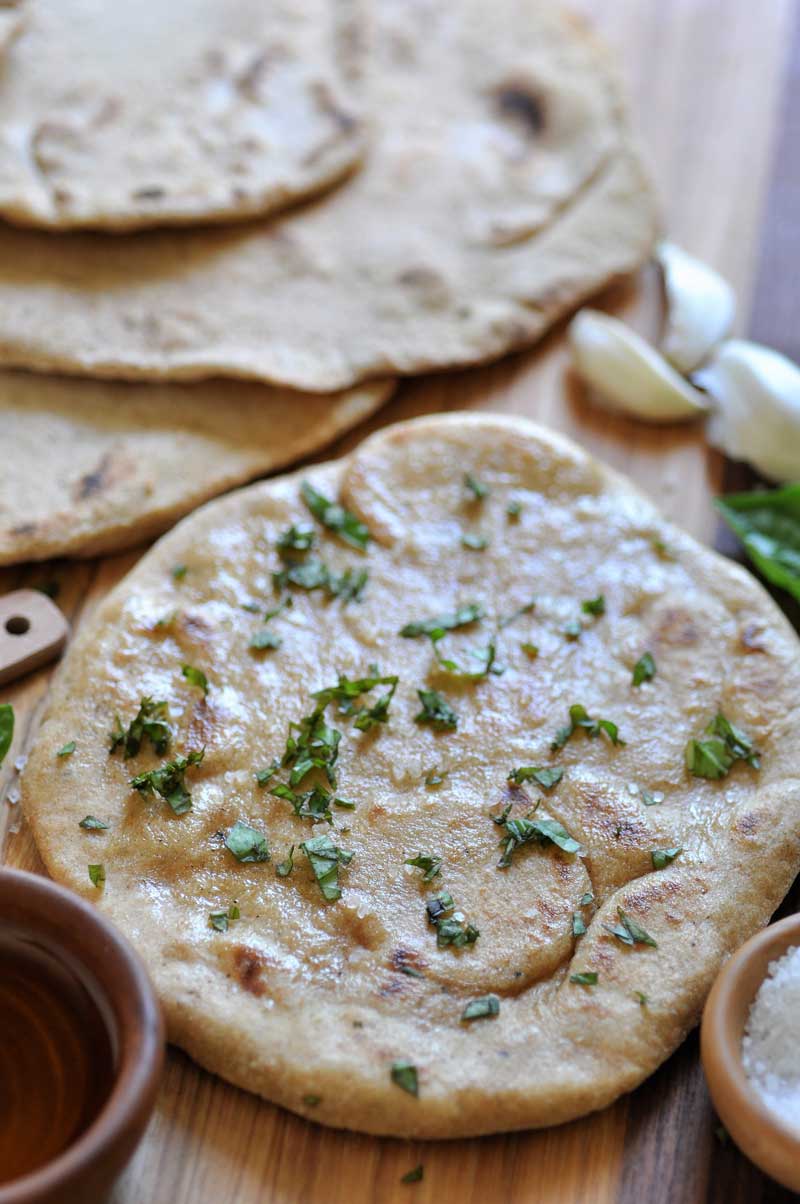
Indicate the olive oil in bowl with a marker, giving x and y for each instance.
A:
(57, 1056)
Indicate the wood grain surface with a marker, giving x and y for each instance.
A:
(720, 126)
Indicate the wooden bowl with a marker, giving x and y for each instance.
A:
(756, 1129)
(76, 933)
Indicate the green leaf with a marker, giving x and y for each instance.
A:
(92, 824)
(586, 899)
(247, 844)
(579, 719)
(220, 920)
(578, 926)
(436, 711)
(347, 691)
(594, 606)
(544, 776)
(478, 1009)
(652, 798)
(475, 487)
(456, 932)
(629, 931)
(640, 998)
(312, 574)
(543, 831)
(97, 876)
(67, 749)
(713, 758)
(517, 614)
(663, 857)
(179, 571)
(284, 868)
(195, 677)
(404, 1075)
(325, 858)
(333, 516)
(169, 782)
(585, 978)
(474, 542)
(427, 862)
(265, 776)
(514, 509)
(531, 650)
(768, 524)
(644, 669)
(434, 778)
(6, 729)
(413, 1176)
(265, 638)
(150, 722)
(439, 906)
(297, 538)
(471, 612)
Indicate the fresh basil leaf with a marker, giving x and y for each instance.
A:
(438, 906)
(427, 862)
(265, 776)
(578, 926)
(150, 722)
(586, 899)
(768, 524)
(325, 858)
(531, 650)
(629, 931)
(265, 638)
(475, 487)
(663, 857)
(585, 978)
(644, 669)
(333, 516)
(284, 868)
(434, 778)
(247, 844)
(404, 1075)
(92, 824)
(478, 1009)
(542, 831)
(713, 758)
(652, 798)
(6, 729)
(545, 776)
(346, 692)
(486, 656)
(195, 677)
(220, 920)
(169, 782)
(297, 538)
(436, 711)
(97, 876)
(413, 1176)
(474, 542)
(67, 749)
(640, 998)
(471, 612)
(454, 931)
(517, 614)
(594, 606)
(739, 743)
(579, 719)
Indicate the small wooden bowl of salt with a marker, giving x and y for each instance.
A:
(750, 1046)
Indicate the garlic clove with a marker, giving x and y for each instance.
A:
(757, 414)
(628, 374)
(701, 306)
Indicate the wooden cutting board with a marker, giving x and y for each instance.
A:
(710, 81)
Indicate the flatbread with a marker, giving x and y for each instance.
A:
(501, 189)
(95, 466)
(125, 115)
(312, 1003)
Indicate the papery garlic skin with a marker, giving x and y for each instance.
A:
(628, 374)
(701, 306)
(757, 413)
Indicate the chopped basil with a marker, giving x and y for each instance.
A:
(284, 868)
(169, 782)
(476, 543)
(195, 677)
(151, 722)
(580, 719)
(469, 613)
(644, 669)
(265, 638)
(586, 899)
(594, 606)
(517, 614)
(335, 517)
(311, 744)
(404, 1074)
(713, 758)
(179, 571)
(436, 711)
(662, 857)
(97, 875)
(477, 1009)
(486, 655)
(434, 778)
(67, 749)
(640, 998)
(585, 978)
(456, 932)
(661, 549)
(219, 920)
(531, 650)
(312, 574)
(545, 776)
(346, 692)
(478, 490)
(514, 508)
(768, 524)
(629, 932)
(427, 862)
(413, 1176)
(325, 858)
(265, 776)
(247, 844)
(91, 824)
(573, 630)
(439, 906)
(6, 729)
(297, 538)
(652, 798)
(527, 829)
(578, 926)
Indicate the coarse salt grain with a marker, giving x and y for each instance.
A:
(771, 1042)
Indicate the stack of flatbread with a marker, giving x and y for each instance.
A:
(225, 230)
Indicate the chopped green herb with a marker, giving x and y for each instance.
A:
(404, 1074)
(179, 571)
(661, 549)
(531, 650)
(594, 606)
(436, 711)
(92, 824)
(427, 862)
(586, 899)
(578, 926)
(644, 669)
(476, 543)
(195, 677)
(517, 614)
(67, 749)
(478, 490)
(472, 612)
(662, 857)
(247, 844)
(545, 776)
(450, 929)
(413, 1176)
(346, 693)
(652, 798)
(325, 858)
(97, 876)
(640, 998)
(486, 655)
(335, 517)
(713, 758)
(151, 722)
(768, 524)
(439, 906)
(514, 508)
(265, 638)
(573, 630)
(629, 931)
(297, 538)
(284, 868)
(580, 719)
(585, 978)
(477, 1009)
(311, 744)
(220, 920)
(265, 776)
(434, 778)
(541, 831)
(169, 782)
(313, 574)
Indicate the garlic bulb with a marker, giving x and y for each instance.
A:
(757, 414)
(628, 374)
(700, 307)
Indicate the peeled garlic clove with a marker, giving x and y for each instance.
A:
(700, 307)
(757, 415)
(628, 374)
